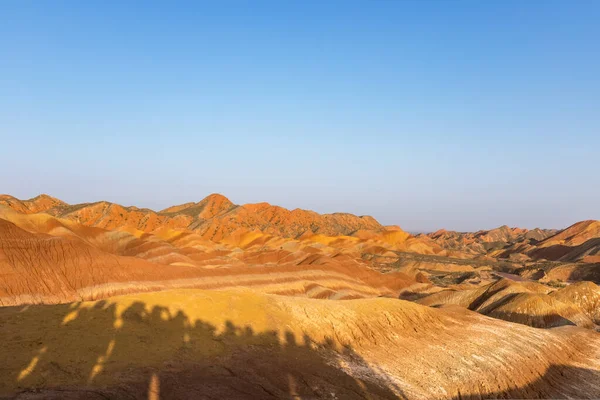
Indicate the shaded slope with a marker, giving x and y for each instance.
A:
(579, 242)
(241, 345)
(574, 235)
(491, 242)
(588, 251)
(526, 303)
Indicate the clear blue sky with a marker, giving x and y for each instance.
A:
(427, 114)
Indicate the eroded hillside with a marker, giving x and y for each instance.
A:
(214, 300)
(242, 345)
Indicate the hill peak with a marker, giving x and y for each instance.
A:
(44, 196)
(216, 197)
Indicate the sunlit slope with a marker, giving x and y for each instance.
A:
(217, 219)
(243, 345)
(214, 217)
(37, 204)
(83, 263)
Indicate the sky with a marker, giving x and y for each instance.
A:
(462, 115)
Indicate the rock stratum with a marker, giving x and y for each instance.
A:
(213, 300)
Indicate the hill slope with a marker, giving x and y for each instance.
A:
(214, 217)
(242, 345)
(57, 261)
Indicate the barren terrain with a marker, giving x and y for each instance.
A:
(211, 300)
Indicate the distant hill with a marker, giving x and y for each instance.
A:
(214, 217)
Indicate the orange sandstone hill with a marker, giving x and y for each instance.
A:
(213, 300)
(491, 241)
(37, 204)
(214, 217)
(67, 262)
(217, 219)
(45, 259)
(580, 241)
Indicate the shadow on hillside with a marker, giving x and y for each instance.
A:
(567, 253)
(586, 272)
(93, 351)
(546, 321)
(549, 320)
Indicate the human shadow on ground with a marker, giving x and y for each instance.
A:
(98, 351)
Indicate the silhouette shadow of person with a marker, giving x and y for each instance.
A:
(108, 350)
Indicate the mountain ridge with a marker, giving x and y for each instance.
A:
(217, 218)
(199, 216)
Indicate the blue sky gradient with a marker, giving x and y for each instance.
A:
(464, 115)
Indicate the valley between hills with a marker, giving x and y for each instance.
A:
(213, 300)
